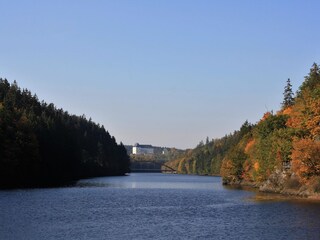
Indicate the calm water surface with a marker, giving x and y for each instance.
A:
(153, 206)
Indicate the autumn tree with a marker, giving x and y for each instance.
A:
(287, 141)
(306, 158)
(305, 119)
(305, 115)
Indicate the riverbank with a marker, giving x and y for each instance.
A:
(285, 183)
(51, 183)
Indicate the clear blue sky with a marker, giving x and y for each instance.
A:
(166, 73)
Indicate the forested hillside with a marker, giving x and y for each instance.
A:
(279, 153)
(206, 158)
(41, 145)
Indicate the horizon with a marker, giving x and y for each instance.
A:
(164, 73)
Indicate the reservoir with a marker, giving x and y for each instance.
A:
(154, 206)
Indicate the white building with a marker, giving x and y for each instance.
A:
(142, 149)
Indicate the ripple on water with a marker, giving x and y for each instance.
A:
(160, 206)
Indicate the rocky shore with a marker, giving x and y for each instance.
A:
(286, 183)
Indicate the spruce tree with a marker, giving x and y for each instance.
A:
(311, 81)
(288, 99)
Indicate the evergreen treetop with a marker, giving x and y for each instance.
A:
(288, 99)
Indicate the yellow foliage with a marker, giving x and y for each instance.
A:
(181, 166)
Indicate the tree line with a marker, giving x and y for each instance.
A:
(41, 145)
(206, 158)
(287, 141)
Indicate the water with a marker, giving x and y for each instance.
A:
(153, 206)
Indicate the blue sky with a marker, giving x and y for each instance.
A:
(167, 73)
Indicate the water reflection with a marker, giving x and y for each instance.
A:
(154, 206)
(155, 181)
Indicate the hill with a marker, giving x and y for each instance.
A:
(280, 153)
(41, 145)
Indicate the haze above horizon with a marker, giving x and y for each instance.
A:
(166, 73)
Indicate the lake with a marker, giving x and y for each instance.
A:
(153, 206)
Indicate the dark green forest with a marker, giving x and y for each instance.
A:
(41, 145)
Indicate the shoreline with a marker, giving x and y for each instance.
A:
(303, 193)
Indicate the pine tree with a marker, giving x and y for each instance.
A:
(288, 99)
(41, 145)
(311, 81)
(207, 140)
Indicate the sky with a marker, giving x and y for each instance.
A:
(162, 72)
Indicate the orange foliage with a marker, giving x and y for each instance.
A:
(313, 122)
(265, 116)
(287, 111)
(249, 146)
(256, 166)
(306, 158)
(296, 117)
(246, 166)
(305, 116)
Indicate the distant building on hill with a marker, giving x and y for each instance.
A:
(142, 149)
